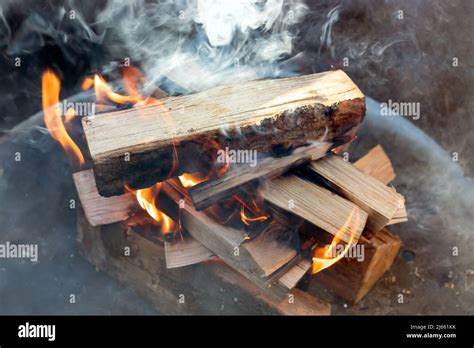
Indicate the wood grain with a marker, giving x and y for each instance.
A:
(102, 210)
(378, 200)
(294, 275)
(185, 251)
(377, 164)
(255, 115)
(316, 205)
(210, 192)
(209, 288)
(352, 279)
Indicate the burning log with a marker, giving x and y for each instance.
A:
(316, 205)
(142, 146)
(209, 288)
(269, 248)
(210, 192)
(257, 259)
(352, 278)
(187, 251)
(378, 200)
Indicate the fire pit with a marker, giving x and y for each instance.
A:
(193, 234)
(408, 276)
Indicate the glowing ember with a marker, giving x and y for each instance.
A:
(322, 256)
(51, 86)
(190, 180)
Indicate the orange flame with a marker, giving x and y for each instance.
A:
(103, 91)
(51, 86)
(253, 208)
(322, 256)
(190, 180)
(52, 117)
(147, 200)
(131, 78)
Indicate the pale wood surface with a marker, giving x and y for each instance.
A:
(239, 105)
(401, 215)
(273, 248)
(377, 164)
(317, 205)
(168, 139)
(185, 251)
(378, 200)
(102, 210)
(292, 277)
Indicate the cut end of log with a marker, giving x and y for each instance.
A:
(102, 210)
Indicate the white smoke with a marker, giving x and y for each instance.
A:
(204, 43)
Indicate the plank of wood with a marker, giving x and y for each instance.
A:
(352, 279)
(274, 247)
(271, 250)
(294, 275)
(316, 205)
(379, 201)
(210, 192)
(400, 216)
(140, 146)
(185, 251)
(208, 288)
(225, 241)
(102, 210)
(377, 164)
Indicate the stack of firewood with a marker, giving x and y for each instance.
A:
(309, 197)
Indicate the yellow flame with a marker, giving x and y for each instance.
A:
(253, 208)
(190, 180)
(51, 86)
(147, 200)
(324, 261)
